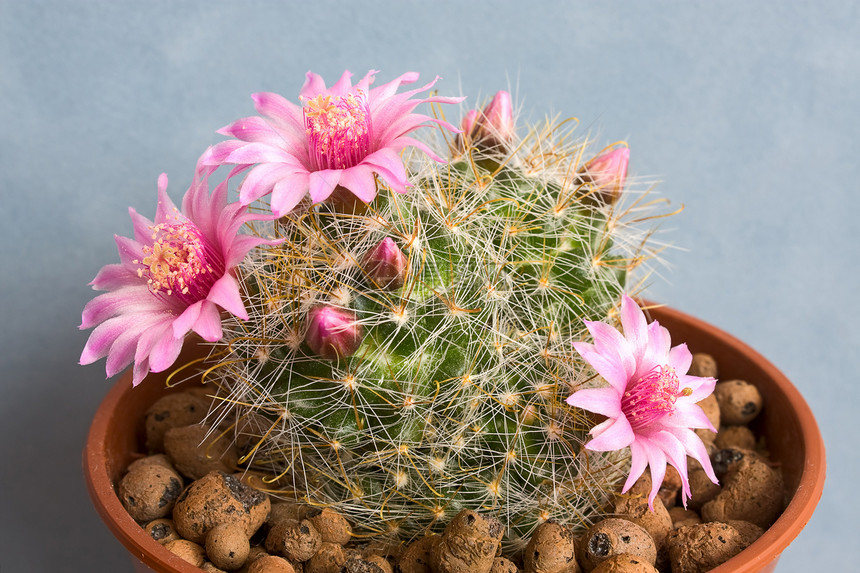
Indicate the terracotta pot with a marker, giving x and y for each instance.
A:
(787, 423)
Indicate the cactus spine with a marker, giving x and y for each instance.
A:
(453, 394)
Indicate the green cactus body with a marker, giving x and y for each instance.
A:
(455, 397)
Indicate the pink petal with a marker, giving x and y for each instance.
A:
(288, 192)
(360, 181)
(701, 387)
(635, 326)
(321, 184)
(607, 367)
(166, 211)
(609, 342)
(165, 351)
(142, 227)
(676, 454)
(226, 294)
(687, 415)
(680, 359)
(638, 463)
(314, 85)
(252, 129)
(389, 165)
(657, 461)
(115, 276)
(129, 251)
(605, 401)
(277, 106)
(126, 300)
(259, 153)
(342, 86)
(611, 436)
(262, 180)
(185, 321)
(208, 324)
(659, 343)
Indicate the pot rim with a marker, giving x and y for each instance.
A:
(764, 551)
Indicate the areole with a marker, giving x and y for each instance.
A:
(787, 423)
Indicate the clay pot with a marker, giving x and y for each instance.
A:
(792, 435)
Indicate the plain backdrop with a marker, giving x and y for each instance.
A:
(747, 112)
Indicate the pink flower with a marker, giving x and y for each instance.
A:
(172, 278)
(333, 332)
(386, 264)
(650, 402)
(608, 173)
(493, 126)
(338, 136)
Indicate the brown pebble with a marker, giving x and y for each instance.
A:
(329, 558)
(711, 407)
(702, 489)
(624, 563)
(157, 459)
(196, 452)
(740, 402)
(468, 544)
(749, 531)
(703, 365)
(753, 491)
(162, 530)
(208, 567)
(294, 540)
(215, 499)
(416, 556)
(681, 517)
(503, 565)
(282, 510)
(380, 562)
(656, 522)
(551, 549)
(227, 546)
(333, 527)
(699, 548)
(149, 492)
(271, 564)
(361, 566)
(615, 536)
(667, 492)
(187, 550)
(172, 411)
(739, 437)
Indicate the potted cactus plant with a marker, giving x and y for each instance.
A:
(403, 336)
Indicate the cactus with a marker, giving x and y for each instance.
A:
(409, 358)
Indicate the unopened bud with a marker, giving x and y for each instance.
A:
(386, 264)
(495, 125)
(607, 173)
(333, 332)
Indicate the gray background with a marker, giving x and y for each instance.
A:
(748, 112)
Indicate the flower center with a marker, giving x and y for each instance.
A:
(652, 397)
(338, 129)
(179, 263)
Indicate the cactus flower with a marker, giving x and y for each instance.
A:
(386, 264)
(608, 173)
(333, 332)
(651, 402)
(174, 277)
(339, 137)
(493, 126)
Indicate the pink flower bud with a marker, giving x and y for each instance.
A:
(468, 122)
(608, 173)
(333, 332)
(495, 126)
(386, 264)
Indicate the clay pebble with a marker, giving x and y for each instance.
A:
(614, 536)
(468, 544)
(740, 402)
(656, 521)
(227, 546)
(416, 557)
(361, 566)
(329, 558)
(195, 451)
(162, 530)
(624, 564)
(711, 407)
(271, 564)
(703, 365)
(681, 517)
(503, 565)
(172, 411)
(699, 548)
(332, 526)
(739, 437)
(753, 492)
(187, 550)
(551, 549)
(149, 491)
(215, 499)
(295, 540)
